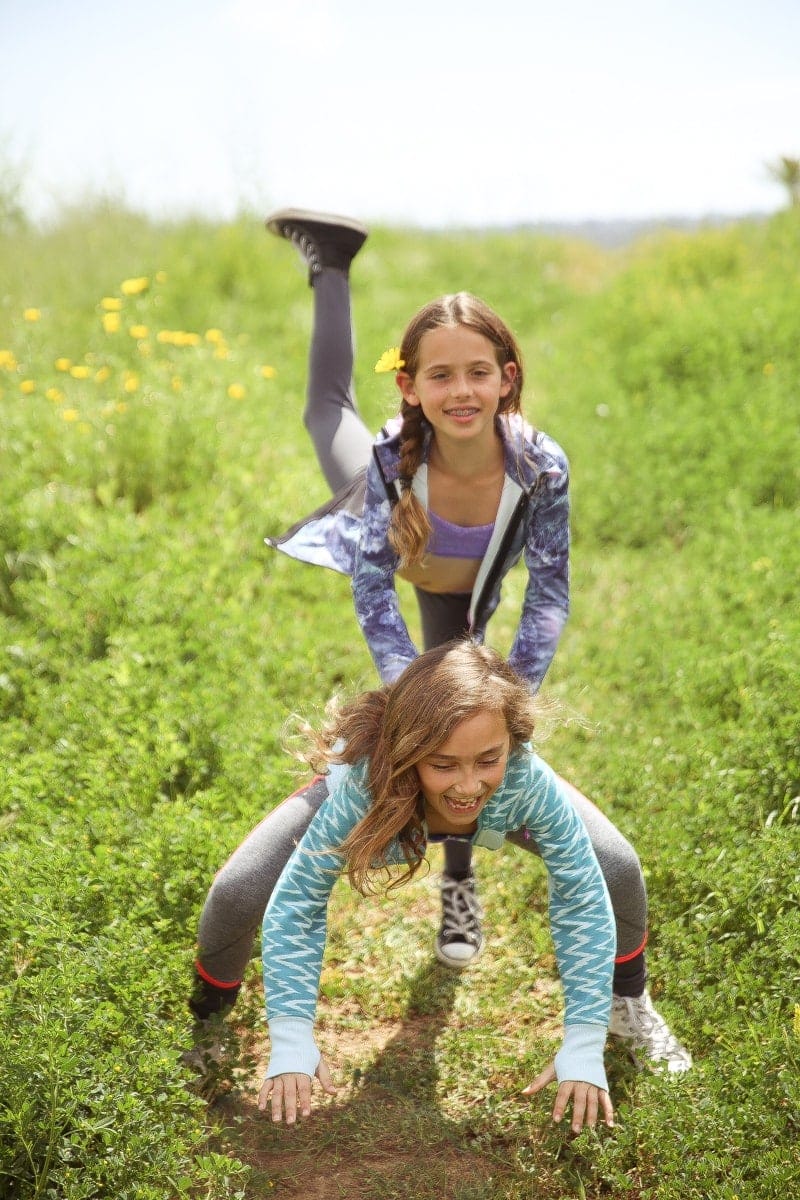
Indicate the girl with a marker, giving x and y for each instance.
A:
(444, 750)
(450, 495)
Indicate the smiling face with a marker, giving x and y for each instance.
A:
(459, 777)
(458, 382)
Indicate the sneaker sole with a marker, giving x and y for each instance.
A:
(642, 1061)
(276, 220)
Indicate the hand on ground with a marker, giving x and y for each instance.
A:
(588, 1101)
(291, 1093)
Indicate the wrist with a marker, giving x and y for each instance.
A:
(292, 1047)
(581, 1055)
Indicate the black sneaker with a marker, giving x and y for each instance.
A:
(460, 939)
(323, 240)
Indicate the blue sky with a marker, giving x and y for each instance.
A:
(424, 113)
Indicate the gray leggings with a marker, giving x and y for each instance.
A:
(341, 440)
(235, 905)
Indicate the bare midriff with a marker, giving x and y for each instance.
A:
(436, 574)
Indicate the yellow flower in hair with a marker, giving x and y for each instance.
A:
(390, 360)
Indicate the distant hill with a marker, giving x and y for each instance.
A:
(621, 232)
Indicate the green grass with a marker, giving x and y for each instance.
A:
(152, 650)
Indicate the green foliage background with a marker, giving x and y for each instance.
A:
(152, 649)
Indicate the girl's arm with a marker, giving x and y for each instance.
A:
(295, 927)
(581, 918)
(545, 606)
(374, 592)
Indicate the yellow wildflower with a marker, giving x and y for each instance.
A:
(102, 374)
(7, 360)
(79, 372)
(222, 353)
(236, 391)
(176, 383)
(111, 303)
(133, 287)
(27, 386)
(138, 331)
(390, 360)
(268, 372)
(111, 322)
(177, 337)
(121, 406)
(130, 381)
(63, 364)
(32, 314)
(55, 394)
(215, 336)
(70, 414)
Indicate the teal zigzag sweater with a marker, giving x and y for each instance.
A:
(582, 924)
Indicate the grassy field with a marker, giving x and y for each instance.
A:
(151, 390)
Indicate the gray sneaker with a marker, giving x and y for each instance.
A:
(322, 239)
(635, 1022)
(460, 938)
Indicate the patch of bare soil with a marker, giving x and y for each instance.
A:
(382, 1130)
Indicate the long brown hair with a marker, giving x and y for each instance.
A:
(410, 529)
(397, 726)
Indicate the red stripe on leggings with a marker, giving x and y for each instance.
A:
(220, 983)
(627, 957)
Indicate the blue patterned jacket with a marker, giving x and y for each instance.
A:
(350, 534)
(531, 797)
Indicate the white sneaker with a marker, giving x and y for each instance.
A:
(636, 1022)
(460, 938)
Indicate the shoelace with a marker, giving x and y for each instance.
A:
(652, 1030)
(461, 910)
(305, 244)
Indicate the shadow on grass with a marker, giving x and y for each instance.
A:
(384, 1134)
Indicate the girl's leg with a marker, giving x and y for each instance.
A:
(235, 905)
(633, 1017)
(443, 615)
(342, 442)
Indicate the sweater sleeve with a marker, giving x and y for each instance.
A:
(581, 917)
(545, 606)
(295, 926)
(374, 592)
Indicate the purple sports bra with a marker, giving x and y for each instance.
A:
(458, 541)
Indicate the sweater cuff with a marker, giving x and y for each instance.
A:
(292, 1047)
(581, 1055)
